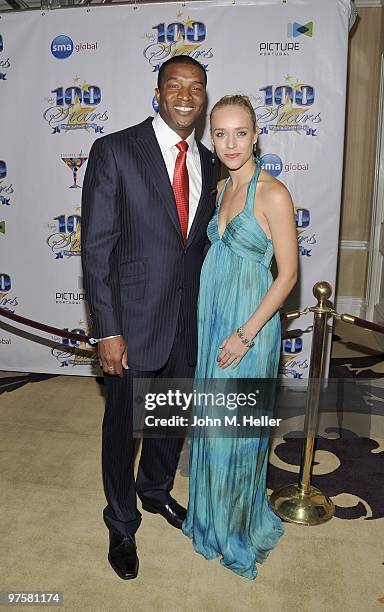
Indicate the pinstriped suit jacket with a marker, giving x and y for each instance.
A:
(138, 273)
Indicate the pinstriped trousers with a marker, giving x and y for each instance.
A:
(159, 456)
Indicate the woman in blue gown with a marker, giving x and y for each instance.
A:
(239, 337)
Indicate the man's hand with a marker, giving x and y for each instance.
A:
(113, 355)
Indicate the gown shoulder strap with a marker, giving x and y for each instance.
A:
(222, 193)
(251, 190)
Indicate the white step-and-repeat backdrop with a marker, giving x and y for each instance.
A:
(69, 76)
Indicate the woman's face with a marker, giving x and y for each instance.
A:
(233, 135)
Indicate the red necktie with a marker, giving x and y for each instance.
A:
(180, 187)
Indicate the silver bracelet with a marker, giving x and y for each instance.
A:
(240, 332)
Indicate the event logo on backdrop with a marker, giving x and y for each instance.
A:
(292, 346)
(306, 238)
(71, 298)
(76, 107)
(6, 188)
(291, 364)
(64, 239)
(298, 29)
(63, 46)
(273, 164)
(5, 62)
(7, 300)
(72, 352)
(74, 161)
(287, 107)
(181, 37)
(281, 48)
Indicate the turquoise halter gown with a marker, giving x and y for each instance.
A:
(228, 510)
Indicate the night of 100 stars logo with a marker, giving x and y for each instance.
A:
(288, 107)
(184, 36)
(8, 300)
(64, 238)
(5, 61)
(306, 238)
(6, 188)
(292, 366)
(72, 352)
(75, 107)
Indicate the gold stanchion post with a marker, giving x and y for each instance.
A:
(303, 503)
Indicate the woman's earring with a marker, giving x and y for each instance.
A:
(214, 156)
(255, 156)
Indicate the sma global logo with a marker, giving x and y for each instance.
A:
(62, 47)
(272, 163)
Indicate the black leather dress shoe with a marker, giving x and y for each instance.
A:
(123, 556)
(171, 510)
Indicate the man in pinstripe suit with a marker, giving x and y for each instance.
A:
(148, 196)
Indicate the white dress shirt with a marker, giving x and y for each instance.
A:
(168, 140)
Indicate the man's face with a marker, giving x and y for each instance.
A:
(181, 97)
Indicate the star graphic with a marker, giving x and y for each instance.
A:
(188, 22)
(85, 86)
(76, 79)
(179, 14)
(285, 358)
(287, 77)
(298, 85)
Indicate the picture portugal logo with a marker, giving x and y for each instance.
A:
(297, 29)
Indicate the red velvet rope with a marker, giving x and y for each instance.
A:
(367, 325)
(63, 333)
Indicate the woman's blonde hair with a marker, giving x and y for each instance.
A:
(236, 100)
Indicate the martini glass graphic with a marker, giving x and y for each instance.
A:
(74, 162)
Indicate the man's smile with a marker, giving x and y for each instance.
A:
(184, 109)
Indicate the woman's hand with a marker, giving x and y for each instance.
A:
(232, 351)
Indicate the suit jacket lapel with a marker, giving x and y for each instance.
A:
(205, 193)
(150, 152)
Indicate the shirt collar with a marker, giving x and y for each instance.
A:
(167, 138)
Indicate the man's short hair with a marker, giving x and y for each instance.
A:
(179, 59)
